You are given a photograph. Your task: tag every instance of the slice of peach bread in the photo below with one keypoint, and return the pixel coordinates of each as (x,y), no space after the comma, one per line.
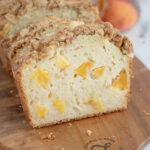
(67,70)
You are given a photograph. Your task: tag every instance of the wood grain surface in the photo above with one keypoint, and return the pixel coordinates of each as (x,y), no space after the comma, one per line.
(125,130)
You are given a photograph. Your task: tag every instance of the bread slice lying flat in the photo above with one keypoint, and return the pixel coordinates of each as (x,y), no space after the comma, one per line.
(18,14)
(67,70)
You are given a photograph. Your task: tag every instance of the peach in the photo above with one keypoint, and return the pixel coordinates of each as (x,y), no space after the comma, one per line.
(122,14)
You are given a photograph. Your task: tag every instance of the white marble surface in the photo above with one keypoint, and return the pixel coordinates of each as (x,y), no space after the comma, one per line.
(147,147)
(140,34)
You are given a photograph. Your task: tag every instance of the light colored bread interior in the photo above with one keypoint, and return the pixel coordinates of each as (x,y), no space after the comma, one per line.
(74,91)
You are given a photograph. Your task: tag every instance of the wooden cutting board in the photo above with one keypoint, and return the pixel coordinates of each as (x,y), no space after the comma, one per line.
(125,130)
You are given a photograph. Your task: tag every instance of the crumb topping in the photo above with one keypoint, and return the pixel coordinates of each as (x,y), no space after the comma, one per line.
(34,41)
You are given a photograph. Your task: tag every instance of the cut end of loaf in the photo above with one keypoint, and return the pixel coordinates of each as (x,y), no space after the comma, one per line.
(87,77)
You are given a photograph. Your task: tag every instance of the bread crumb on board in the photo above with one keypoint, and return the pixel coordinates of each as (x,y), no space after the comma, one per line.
(89,132)
(62,148)
(17,95)
(50,136)
(70,124)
